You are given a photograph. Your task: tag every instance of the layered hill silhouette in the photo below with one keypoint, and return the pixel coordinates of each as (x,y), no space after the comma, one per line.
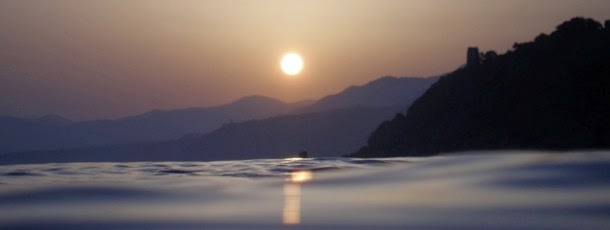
(55,132)
(551,93)
(385,91)
(329,131)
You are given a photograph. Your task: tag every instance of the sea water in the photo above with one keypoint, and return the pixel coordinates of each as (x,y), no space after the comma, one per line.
(484,190)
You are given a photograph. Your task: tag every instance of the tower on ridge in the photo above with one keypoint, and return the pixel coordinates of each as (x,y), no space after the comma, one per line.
(472,56)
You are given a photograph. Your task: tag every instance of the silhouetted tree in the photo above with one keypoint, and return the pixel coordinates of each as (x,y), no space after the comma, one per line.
(488,56)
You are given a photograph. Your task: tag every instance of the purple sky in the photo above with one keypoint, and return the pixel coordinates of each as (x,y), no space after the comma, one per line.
(106,59)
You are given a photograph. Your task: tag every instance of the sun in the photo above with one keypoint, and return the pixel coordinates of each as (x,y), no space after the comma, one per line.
(291,64)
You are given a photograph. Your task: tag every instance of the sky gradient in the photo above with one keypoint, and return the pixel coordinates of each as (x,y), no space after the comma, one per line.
(106,59)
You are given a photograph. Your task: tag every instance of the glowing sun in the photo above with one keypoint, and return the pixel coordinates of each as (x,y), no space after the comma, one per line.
(291,64)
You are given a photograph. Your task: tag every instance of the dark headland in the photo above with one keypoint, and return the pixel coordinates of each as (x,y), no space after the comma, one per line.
(552,93)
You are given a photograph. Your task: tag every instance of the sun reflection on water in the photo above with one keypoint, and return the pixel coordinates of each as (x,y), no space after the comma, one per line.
(292,196)
(300,176)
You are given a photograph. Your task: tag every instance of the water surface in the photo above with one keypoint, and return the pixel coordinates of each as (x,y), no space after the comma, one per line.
(501,190)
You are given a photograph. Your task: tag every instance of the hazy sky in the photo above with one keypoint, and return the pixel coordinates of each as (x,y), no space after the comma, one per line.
(106,59)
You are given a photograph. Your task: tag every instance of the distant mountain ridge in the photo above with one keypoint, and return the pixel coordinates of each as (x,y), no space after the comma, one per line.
(54,132)
(328,133)
(385,91)
(53,119)
(321,130)
(552,93)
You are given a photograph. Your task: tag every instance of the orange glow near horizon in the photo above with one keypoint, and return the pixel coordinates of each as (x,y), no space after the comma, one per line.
(301,176)
(291,213)
(126,57)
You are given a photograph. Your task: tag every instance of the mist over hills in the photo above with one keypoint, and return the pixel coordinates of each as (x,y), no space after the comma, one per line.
(551,93)
(328,133)
(385,91)
(55,132)
(333,129)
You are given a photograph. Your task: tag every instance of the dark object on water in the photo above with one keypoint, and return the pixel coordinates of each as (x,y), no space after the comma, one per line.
(303,154)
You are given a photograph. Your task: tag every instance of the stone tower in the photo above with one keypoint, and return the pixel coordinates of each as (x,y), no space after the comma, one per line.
(472,56)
